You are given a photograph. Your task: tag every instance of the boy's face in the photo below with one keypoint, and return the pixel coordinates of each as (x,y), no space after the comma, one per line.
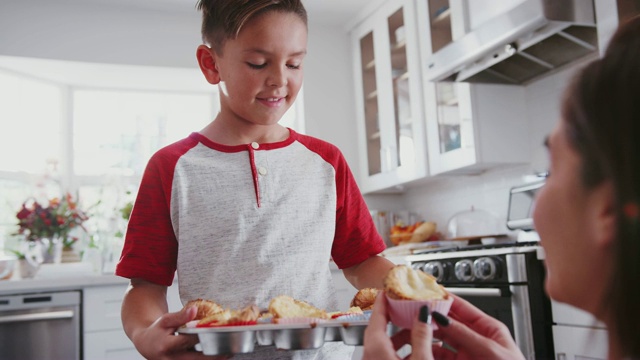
(260,71)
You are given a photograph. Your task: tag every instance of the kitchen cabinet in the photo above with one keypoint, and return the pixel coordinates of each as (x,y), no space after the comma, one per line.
(388,96)
(103,336)
(470,128)
(577,334)
(411,128)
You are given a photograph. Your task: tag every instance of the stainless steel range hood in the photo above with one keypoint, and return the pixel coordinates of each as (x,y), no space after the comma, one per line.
(530,40)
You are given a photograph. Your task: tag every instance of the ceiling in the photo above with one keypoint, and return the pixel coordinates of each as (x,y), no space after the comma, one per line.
(320,11)
(342,13)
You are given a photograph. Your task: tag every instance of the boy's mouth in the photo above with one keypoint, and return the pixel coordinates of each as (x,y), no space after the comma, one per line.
(272,101)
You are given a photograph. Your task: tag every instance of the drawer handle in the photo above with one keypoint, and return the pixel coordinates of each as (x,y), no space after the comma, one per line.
(52,315)
(475,292)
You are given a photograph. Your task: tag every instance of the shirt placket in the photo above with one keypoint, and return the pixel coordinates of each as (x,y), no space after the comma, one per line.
(257,171)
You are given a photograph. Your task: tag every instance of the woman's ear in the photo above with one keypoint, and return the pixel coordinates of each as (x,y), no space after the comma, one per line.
(603,214)
(207,59)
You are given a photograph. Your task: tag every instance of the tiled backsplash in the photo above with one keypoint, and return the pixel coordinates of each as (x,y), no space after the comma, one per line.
(443,196)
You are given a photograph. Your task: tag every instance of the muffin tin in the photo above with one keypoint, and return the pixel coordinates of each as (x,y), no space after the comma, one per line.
(244,339)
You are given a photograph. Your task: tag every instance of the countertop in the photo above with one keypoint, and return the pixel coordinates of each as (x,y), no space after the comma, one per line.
(59,278)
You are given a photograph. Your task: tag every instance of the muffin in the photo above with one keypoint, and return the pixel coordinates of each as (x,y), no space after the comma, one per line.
(287,309)
(205,308)
(365,298)
(407,290)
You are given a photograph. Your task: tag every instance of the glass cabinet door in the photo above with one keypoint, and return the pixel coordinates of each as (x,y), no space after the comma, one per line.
(404,139)
(390,117)
(370,94)
(439,23)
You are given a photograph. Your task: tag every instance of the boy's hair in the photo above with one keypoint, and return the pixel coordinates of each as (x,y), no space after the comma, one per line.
(223,19)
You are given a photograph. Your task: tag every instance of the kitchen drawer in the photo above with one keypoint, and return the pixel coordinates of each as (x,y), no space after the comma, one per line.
(101,308)
(107,345)
(564,314)
(579,343)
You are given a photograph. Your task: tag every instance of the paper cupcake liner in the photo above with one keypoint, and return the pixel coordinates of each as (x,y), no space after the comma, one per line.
(192,324)
(298,320)
(226,324)
(402,313)
(354,317)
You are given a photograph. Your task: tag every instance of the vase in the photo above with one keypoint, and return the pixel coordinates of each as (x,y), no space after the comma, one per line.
(70,255)
(28,268)
(51,250)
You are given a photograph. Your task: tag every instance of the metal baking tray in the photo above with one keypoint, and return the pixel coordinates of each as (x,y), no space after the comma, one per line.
(351,332)
(244,339)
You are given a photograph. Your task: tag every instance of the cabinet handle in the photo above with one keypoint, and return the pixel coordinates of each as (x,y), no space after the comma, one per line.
(53,315)
(475,292)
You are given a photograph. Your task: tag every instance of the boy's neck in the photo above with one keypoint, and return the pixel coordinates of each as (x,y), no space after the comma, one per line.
(223,133)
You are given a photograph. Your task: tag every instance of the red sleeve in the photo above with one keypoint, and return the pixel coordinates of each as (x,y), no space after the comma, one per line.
(150,249)
(356,238)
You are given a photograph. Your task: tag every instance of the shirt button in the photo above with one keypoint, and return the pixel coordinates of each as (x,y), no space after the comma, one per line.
(262,171)
(255,145)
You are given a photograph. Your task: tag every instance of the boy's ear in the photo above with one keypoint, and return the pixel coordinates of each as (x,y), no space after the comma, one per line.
(207,60)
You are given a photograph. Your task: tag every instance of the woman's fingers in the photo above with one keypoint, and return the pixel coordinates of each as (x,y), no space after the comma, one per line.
(422,336)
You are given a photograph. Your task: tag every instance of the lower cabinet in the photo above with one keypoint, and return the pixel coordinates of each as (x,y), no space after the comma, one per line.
(345,293)
(103,336)
(577,335)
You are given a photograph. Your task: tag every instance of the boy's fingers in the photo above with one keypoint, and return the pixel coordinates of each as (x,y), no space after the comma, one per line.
(177,319)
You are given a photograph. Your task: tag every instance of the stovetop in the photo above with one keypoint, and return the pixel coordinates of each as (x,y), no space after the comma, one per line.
(475,250)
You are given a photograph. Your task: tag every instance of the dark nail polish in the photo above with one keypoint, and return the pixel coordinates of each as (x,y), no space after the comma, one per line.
(440,319)
(424,315)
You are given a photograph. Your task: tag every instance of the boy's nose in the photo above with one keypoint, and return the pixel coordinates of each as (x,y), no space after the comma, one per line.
(277,78)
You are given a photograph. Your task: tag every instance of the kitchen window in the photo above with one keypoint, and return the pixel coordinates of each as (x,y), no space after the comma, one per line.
(93,141)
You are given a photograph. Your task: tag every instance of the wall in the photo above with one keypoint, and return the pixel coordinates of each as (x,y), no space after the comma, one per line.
(328,93)
(442,197)
(96,31)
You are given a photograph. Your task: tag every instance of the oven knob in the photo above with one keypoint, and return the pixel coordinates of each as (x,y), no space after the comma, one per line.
(436,269)
(485,268)
(464,270)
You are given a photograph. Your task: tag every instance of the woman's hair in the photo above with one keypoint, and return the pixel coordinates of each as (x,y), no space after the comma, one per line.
(602,113)
(223,19)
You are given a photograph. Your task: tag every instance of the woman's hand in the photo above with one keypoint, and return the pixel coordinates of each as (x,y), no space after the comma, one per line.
(474,334)
(378,344)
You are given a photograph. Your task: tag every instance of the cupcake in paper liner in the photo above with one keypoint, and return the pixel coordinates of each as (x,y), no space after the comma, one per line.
(407,290)
(403,312)
(246,316)
(287,310)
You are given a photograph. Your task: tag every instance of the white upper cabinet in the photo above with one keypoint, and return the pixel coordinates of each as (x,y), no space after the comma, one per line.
(470,128)
(388,94)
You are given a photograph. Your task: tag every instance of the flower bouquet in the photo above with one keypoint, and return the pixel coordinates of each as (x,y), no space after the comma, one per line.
(51,225)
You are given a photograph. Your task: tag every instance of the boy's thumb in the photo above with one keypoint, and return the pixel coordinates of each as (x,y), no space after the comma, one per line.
(177,319)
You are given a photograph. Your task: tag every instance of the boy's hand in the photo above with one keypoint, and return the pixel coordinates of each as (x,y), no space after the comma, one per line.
(159,341)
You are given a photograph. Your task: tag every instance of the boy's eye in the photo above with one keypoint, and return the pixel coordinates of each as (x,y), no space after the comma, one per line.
(256,66)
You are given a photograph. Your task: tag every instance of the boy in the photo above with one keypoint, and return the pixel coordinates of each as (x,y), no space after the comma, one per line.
(245,210)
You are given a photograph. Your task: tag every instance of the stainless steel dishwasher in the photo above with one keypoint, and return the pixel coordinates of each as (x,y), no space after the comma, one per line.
(40,326)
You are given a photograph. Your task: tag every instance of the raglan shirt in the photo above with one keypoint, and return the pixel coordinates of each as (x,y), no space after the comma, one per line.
(243,224)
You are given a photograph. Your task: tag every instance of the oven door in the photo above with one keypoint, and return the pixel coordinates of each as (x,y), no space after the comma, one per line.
(44,326)
(510,305)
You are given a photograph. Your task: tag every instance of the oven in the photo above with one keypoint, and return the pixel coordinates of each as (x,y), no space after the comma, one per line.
(504,280)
